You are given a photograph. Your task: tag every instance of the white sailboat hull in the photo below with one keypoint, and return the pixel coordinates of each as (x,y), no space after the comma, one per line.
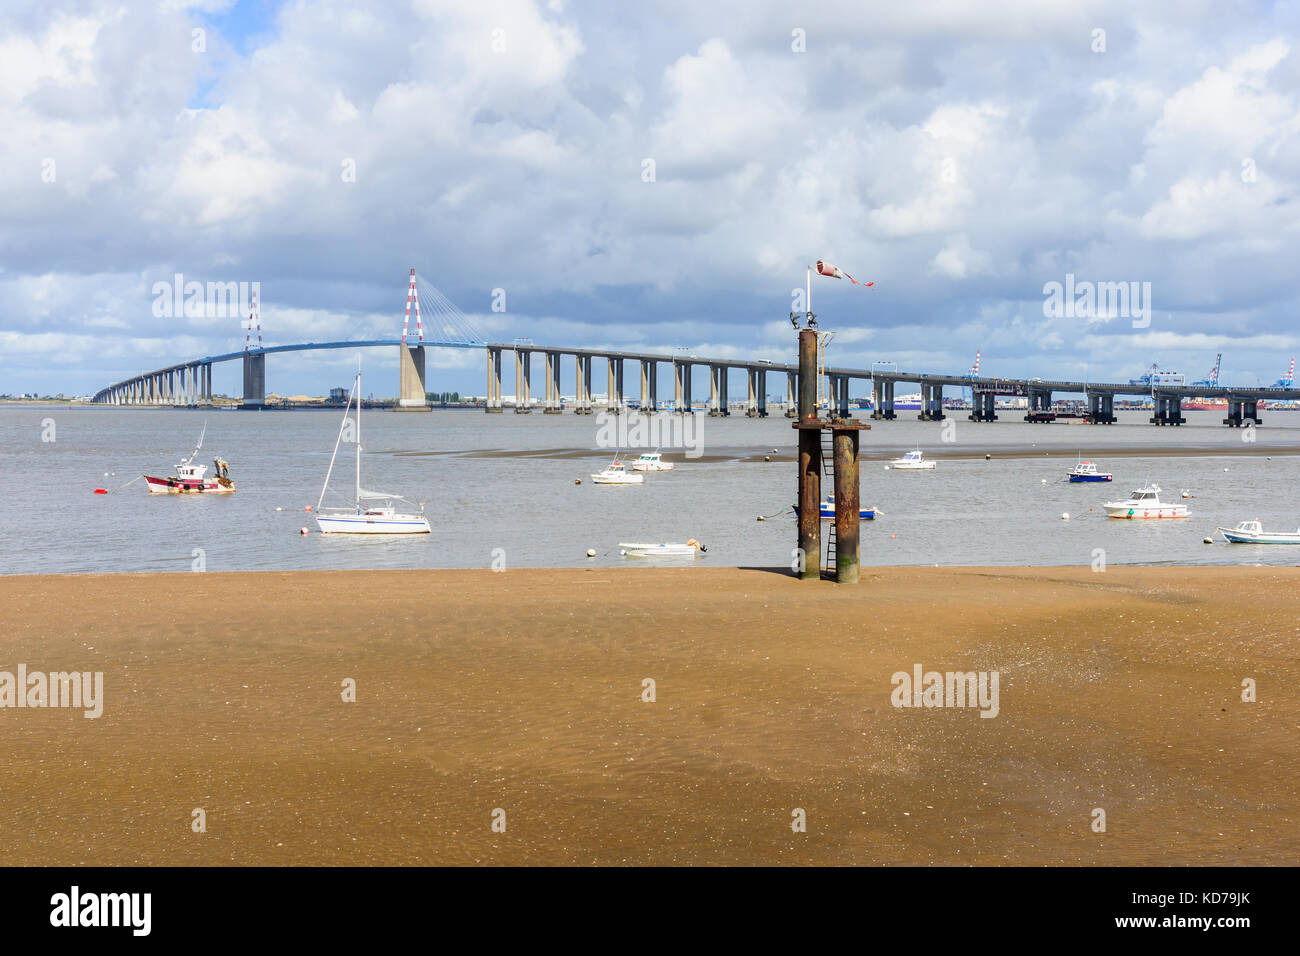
(372,524)
(1237,536)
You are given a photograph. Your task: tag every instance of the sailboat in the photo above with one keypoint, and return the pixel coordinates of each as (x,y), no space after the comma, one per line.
(367,516)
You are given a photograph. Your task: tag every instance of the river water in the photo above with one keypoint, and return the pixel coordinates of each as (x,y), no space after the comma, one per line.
(502,487)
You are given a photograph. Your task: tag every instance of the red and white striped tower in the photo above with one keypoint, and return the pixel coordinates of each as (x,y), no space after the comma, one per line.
(254,317)
(412,295)
(975,369)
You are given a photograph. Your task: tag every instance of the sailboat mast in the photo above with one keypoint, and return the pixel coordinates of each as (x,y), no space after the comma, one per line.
(358,387)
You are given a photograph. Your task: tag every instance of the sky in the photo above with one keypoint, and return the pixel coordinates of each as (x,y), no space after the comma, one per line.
(650,176)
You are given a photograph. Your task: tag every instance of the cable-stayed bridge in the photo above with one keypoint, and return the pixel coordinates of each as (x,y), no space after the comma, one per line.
(189,383)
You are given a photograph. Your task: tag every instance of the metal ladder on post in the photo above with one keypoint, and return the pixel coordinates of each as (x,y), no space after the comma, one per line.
(828,480)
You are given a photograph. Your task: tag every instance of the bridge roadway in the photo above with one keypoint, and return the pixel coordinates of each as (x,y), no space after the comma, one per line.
(190,383)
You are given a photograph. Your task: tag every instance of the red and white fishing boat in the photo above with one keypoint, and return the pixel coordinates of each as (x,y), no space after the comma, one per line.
(192,479)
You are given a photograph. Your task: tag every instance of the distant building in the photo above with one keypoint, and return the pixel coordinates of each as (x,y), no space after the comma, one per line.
(338,396)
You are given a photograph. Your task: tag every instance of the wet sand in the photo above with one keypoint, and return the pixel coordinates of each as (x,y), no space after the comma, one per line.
(884,451)
(522,691)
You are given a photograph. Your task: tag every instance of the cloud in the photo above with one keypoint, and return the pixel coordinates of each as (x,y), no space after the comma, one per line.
(960,159)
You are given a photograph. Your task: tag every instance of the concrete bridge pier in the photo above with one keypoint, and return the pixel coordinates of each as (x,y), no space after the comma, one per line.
(1168,409)
(1101,408)
(715,373)
(582,403)
(1242,410)
(1040,405)
(493,403)
(682,388)
(756,401)
(979,402)
(254,380)
(614,386)
(791,390)
(649,386)
(839,397)
(523,379)
(207,383)
(553,400)
(883,399)
(410,379)
(931,403)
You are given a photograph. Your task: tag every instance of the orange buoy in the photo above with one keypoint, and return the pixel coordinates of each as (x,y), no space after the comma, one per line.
(101,491)
(309,507)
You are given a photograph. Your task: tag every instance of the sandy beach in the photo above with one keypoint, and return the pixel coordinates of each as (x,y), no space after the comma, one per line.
(523,691)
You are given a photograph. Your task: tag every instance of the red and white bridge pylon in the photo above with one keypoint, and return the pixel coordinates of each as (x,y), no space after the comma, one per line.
(412,295)
(254,317)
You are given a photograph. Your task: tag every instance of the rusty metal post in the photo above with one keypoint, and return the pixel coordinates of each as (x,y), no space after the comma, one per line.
(848,519)
(810,459)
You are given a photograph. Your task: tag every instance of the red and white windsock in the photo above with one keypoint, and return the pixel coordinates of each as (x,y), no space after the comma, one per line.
(412,295)
(835,272)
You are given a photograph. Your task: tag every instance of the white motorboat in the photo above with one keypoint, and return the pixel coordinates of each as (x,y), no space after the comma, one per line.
(616,473)
(1144,503)
(652,461)
(367,515)
(1252,532)
(642,550)
(912,461)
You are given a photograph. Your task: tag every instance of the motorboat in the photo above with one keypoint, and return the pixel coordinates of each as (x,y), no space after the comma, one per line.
(616,473)
(912,461)
(192,479)
(642,550)
(367,515)
(652,461)
(1252,532)
(1087,471)
(828,509)
(1144,503)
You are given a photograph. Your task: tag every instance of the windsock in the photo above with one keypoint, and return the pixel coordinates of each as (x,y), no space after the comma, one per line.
(835,272)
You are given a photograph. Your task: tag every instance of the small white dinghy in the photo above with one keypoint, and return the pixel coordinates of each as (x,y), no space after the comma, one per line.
(912,461)
(642,550)
(1252,532)
(616,473)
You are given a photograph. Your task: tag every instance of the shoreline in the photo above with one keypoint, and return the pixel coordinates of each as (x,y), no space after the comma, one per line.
(523,691)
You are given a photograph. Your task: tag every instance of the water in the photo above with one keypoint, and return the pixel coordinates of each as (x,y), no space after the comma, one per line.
(507,482)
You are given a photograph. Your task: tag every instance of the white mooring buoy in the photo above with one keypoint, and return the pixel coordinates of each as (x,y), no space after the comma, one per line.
(591,552)
(1065,516)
